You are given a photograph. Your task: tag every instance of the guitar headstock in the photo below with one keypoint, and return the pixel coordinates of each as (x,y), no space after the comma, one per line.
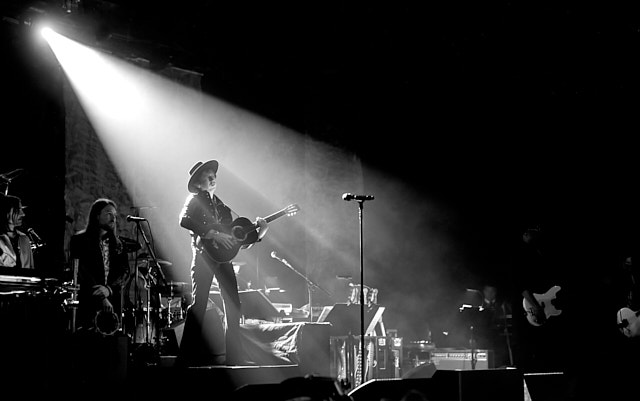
(291,209)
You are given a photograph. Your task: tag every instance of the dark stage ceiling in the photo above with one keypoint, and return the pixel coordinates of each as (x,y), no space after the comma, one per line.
(475,100)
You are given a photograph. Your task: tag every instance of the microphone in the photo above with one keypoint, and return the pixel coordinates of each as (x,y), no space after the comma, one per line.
(349,197)
(8,177)
(35,237)
(134,218)
(273,255)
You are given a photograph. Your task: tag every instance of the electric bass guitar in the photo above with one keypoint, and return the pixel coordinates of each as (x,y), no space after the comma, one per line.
(546,301)
(244,233)
(628,322)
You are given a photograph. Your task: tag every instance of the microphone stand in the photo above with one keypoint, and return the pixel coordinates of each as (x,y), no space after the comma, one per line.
(310,284)
(8,177)
(362,298)
(474,310)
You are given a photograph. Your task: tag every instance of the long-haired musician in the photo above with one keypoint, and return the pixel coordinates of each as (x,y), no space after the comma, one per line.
(102,266)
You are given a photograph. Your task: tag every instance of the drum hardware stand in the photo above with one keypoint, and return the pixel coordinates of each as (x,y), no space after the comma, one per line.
(72,302)
(310,284)
(152,282)
(170,298)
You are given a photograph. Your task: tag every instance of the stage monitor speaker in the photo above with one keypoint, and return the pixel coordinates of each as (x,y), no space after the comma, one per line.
(256,305)
(479,385)
(396,389)
(549,386)
(424,371)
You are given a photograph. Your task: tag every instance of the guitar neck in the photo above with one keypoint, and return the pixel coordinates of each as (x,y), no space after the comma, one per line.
(268,219)
(275,215)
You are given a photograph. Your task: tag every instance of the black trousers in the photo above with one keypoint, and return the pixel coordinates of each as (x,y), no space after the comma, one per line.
(196,347)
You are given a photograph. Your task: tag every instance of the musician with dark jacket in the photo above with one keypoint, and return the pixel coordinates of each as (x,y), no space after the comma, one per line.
(100,259)
(102,264)
(202,215)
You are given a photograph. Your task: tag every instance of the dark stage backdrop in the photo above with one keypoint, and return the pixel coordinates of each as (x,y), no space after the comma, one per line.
(469,121)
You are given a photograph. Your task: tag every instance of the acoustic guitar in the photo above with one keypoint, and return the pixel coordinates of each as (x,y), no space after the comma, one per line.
(546,301)
(628,322)
(244,233)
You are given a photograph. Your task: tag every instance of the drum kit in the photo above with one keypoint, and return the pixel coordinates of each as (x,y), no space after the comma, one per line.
(151,305)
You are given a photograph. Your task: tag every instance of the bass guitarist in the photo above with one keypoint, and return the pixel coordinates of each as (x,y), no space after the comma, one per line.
(203,214)
(536,332)
(628,316)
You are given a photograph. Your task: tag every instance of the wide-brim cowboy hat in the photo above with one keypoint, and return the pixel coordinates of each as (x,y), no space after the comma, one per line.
(196,170)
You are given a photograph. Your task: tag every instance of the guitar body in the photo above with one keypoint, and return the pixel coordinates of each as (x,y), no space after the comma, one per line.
(244,233)
(546,301)
(628,322)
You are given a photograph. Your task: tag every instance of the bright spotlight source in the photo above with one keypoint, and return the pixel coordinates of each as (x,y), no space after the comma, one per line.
(46,32)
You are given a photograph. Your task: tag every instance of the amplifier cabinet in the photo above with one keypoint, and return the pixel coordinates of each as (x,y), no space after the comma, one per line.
(452,359)
(383,358)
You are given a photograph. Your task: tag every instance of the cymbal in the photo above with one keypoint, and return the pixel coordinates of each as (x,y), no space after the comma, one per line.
(164,263)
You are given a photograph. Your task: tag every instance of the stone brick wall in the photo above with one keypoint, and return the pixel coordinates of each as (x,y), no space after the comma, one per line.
(90,173)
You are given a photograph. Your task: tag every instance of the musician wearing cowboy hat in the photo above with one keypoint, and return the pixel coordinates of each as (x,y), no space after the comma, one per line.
(202,215)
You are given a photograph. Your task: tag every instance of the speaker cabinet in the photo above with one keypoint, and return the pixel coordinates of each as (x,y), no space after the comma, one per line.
(452,359)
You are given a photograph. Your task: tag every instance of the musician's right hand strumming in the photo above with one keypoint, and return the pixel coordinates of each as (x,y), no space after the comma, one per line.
(219,238)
